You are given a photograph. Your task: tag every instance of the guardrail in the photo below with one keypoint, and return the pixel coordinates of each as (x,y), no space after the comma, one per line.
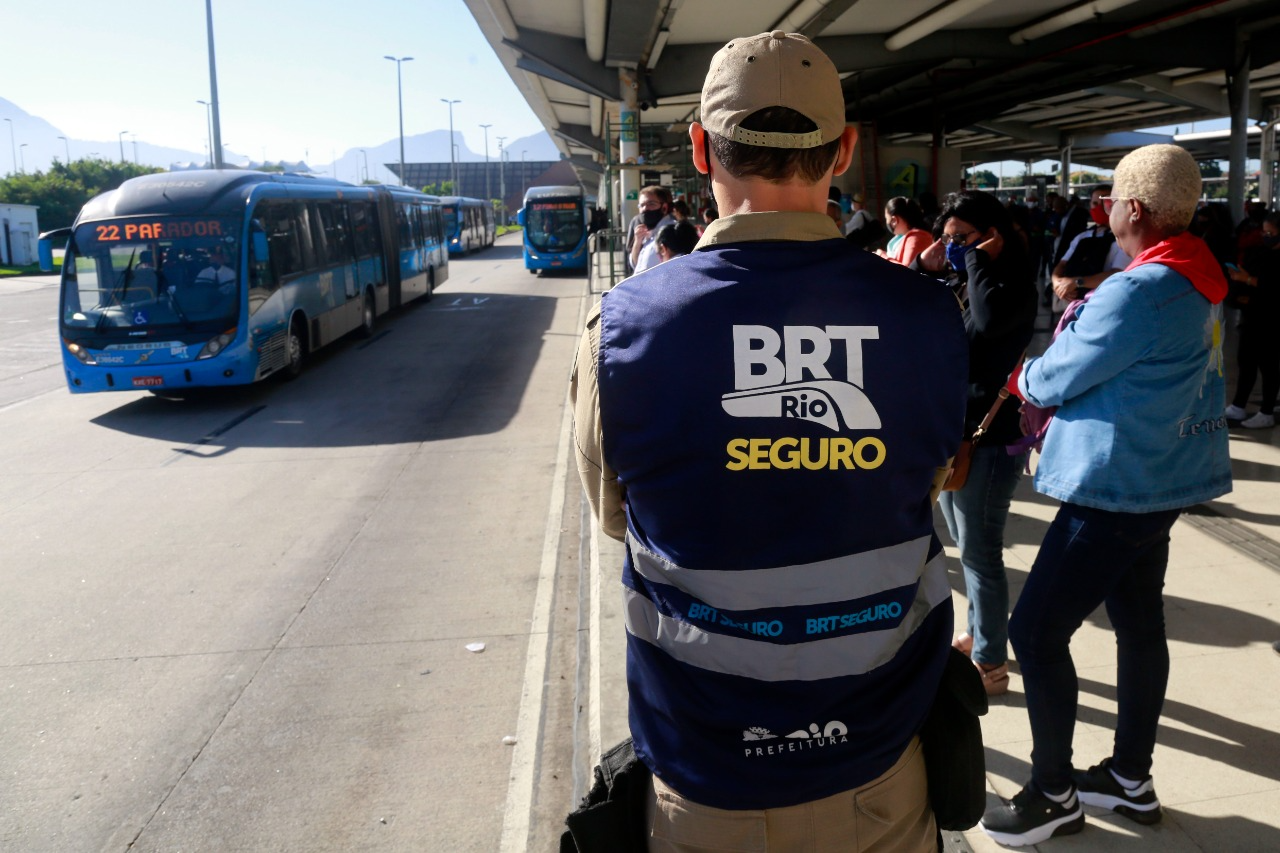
(606,266)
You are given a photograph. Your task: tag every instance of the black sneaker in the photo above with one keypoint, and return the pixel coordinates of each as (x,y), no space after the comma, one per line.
(1098,787)
(1031,817)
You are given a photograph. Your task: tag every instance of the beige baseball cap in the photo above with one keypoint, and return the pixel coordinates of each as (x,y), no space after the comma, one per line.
(774,69)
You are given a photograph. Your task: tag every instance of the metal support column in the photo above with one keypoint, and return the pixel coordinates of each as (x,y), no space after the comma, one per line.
(1064,171)
(629,144)
(1268,179)
(1238,95)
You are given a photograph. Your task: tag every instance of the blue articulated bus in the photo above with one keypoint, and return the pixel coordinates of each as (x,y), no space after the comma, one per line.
(555,221)
(204,278)
(468,223)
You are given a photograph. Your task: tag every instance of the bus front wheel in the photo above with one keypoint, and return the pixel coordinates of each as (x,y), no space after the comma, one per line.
(296,349)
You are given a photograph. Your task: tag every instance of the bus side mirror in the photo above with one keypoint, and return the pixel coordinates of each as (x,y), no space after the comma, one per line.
(44,247)
(520,217)
(260,251)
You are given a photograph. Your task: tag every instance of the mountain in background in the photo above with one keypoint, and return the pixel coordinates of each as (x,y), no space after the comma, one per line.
(431,147)
(43,146)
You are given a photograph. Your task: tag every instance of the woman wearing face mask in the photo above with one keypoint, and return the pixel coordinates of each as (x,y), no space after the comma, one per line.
(1256,285)
(909,239)
(985,262)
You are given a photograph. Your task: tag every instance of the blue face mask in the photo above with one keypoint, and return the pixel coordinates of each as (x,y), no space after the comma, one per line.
(956,253)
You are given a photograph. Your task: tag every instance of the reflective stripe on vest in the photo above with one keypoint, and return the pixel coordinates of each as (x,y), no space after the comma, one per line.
(840,579)
(813,660)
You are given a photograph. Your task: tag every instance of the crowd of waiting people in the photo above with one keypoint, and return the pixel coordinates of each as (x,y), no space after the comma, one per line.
(1003,260)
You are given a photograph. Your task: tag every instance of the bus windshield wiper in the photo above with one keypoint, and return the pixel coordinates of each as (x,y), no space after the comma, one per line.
(119,291)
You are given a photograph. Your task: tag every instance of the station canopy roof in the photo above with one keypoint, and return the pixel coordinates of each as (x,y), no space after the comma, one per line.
(999,80)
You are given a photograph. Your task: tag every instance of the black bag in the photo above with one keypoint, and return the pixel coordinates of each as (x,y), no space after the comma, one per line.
(1090,256)
(611,816)
(952,742)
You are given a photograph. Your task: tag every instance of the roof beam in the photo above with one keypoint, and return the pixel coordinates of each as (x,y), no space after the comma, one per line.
(581,135)
(564,60)
(632,27)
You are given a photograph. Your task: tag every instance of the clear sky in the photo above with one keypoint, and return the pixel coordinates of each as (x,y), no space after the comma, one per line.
(297,79)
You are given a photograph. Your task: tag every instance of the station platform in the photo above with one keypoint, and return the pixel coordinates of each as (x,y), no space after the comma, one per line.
(1217,762)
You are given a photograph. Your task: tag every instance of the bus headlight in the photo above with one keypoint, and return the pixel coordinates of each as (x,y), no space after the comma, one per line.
(79,352)
(217,344)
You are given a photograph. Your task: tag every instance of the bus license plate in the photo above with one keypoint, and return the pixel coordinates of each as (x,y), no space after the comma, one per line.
(147,381)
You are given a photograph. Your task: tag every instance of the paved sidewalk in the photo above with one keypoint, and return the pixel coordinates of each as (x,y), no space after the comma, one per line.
(1217,762)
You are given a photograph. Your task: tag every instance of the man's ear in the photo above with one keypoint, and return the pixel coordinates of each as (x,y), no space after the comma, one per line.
(848,140)
(697,149)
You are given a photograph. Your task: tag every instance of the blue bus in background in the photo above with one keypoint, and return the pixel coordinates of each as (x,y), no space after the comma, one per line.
(555,221)
(203,278)
(468,223)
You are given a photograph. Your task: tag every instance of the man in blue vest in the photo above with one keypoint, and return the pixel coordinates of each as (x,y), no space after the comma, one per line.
(764,421)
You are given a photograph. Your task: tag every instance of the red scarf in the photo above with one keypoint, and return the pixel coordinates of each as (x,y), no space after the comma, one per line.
(1187,255)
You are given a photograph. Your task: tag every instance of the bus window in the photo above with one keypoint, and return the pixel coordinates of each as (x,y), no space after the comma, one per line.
(282,239)
(364,229)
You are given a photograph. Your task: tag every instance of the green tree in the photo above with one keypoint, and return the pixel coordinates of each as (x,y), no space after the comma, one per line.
(64,189)
(983,178)
(442,188)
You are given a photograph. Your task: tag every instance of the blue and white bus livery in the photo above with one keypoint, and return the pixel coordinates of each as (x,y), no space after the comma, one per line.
(228,277)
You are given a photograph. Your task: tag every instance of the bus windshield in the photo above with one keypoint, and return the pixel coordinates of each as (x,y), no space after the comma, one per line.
(450,218)
(554,226)
(152,271)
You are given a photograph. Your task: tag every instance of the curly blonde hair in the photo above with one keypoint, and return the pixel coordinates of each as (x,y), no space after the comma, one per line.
(1166,179)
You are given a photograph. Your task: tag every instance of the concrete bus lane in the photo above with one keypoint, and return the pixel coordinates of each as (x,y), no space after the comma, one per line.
(30,361)
(241,621)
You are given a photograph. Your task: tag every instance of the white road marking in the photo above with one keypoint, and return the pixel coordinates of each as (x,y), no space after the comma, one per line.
(524,757)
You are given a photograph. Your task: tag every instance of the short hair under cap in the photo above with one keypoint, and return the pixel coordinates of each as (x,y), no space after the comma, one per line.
(1166,179)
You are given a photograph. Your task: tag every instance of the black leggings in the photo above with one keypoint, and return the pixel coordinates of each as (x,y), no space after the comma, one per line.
(1259,352)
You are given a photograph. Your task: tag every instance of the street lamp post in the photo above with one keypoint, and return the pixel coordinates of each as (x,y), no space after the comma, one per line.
(364,156)
(120,136)
(208,114)
(23,157)
(67,145)
(400,103)
(453,163)
(133,137)
(14,144)
(215,118)
(486,160)
(502,180)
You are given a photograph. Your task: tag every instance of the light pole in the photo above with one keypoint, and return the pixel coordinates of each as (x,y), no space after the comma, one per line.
(215,119)
(14,145)
(365,157)
(67,145)
(524,175)
(120,136)
(23,157)
(453,163)
(502,180)
(486,160)
(133,137)
(208,114)
(400,103)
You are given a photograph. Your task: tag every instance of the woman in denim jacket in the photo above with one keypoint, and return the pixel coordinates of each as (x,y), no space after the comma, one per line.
(1139,435)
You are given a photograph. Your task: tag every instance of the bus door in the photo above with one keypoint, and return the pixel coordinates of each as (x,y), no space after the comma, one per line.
(370,271)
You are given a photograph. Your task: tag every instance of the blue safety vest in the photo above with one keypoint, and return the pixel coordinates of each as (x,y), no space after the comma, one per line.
(776,412)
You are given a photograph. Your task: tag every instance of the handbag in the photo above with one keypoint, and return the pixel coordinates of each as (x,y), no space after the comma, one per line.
(611,818)
(951,737)
(964,456)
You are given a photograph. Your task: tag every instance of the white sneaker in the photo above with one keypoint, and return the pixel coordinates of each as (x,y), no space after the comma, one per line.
(1259,421)
(1235,413)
